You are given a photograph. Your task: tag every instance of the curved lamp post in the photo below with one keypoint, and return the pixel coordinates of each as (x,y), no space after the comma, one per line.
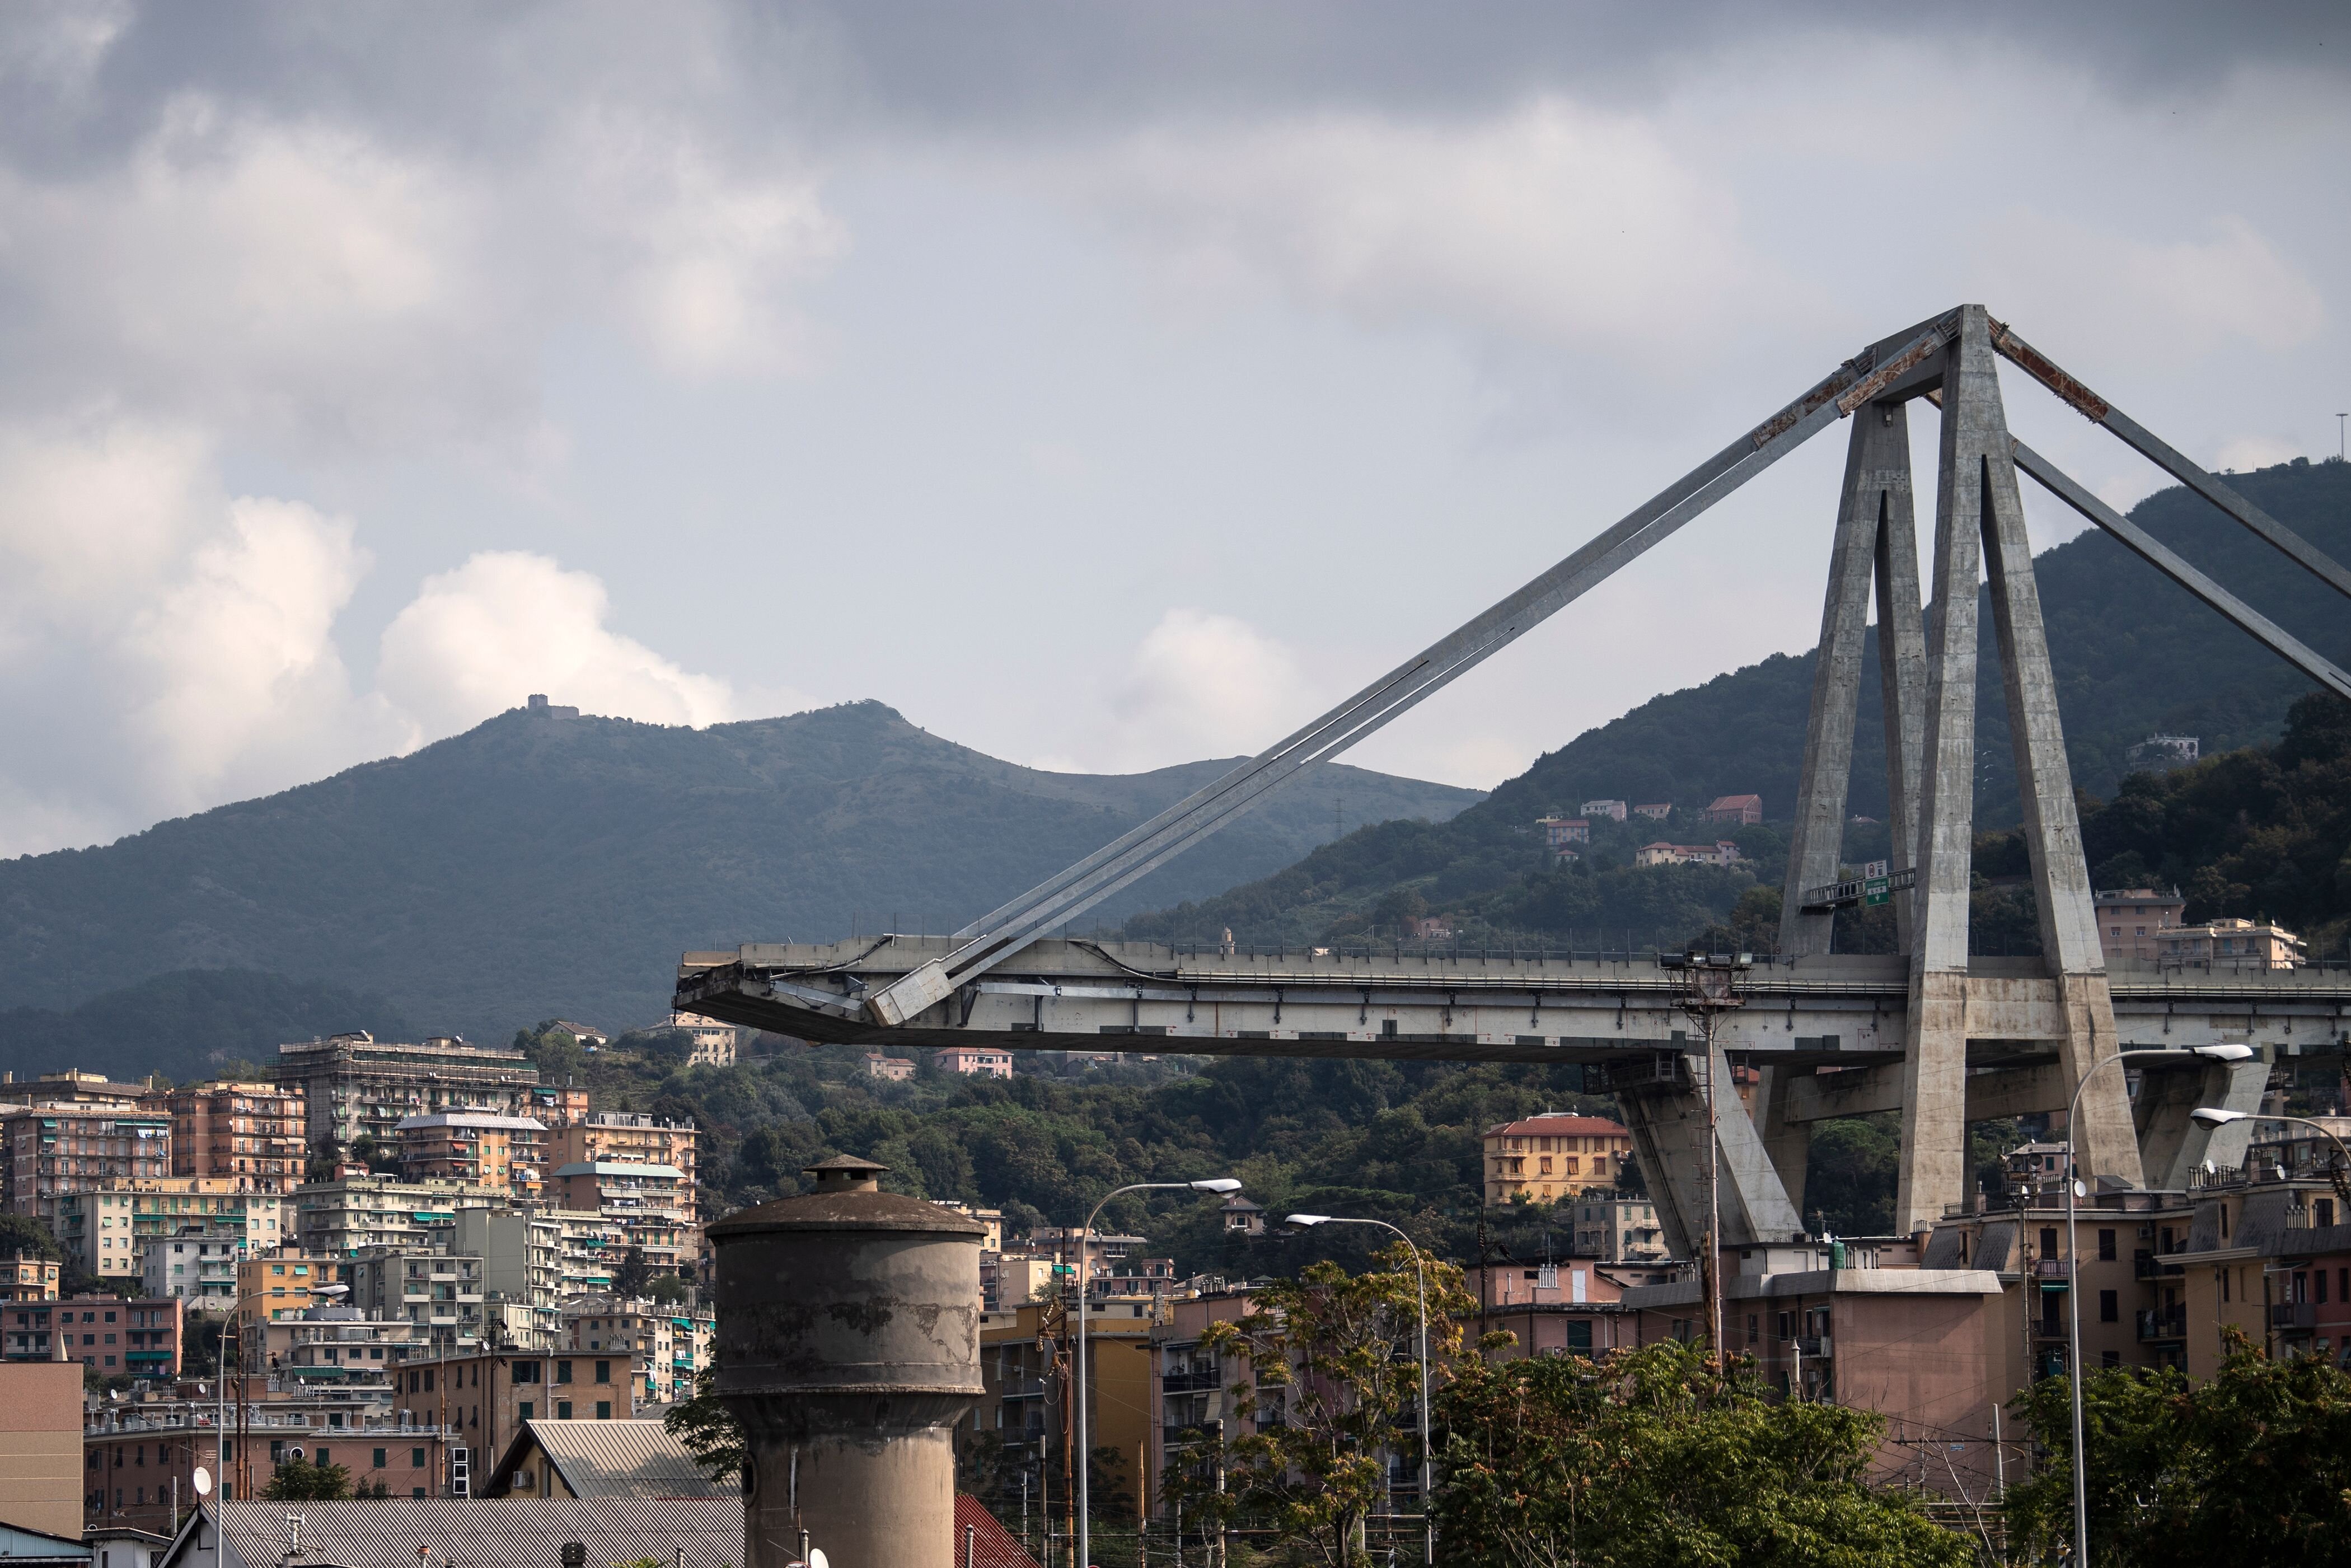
(2213,1117)
(2227,1052)
(1420,1288)
(1085,1520)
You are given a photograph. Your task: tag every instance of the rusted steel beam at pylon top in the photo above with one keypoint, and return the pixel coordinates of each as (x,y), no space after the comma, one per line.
(2045,370)
(1858,380)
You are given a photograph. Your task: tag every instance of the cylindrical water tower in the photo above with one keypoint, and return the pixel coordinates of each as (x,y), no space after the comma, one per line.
(848,1348)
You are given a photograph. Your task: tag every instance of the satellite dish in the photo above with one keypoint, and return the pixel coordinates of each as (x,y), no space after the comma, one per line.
(202,1482)
(2081,1189)
(816,1558)
(2210,1169)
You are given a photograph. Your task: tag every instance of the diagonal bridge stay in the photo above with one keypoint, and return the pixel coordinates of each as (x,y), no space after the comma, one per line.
(1943,1036)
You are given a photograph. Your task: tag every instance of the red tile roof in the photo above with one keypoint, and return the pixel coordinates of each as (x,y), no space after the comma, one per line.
(993,1546)
(1560,1127)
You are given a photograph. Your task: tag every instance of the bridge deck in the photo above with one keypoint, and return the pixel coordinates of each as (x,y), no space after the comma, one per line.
(1503,1006)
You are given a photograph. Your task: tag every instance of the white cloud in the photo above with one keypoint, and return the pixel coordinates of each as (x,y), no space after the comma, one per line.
(475,640)
(2116,298)
(1556,222)
(1203,685)
(2249,452)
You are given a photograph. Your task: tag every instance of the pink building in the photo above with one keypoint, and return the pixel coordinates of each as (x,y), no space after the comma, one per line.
(1741,809)
(974,1062)
(2132,921)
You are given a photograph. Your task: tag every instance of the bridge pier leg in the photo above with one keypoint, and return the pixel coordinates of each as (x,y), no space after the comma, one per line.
(1667,1116)
(1979,521)
(2170,1146)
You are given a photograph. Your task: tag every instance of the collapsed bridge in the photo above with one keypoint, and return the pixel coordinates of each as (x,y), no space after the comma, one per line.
(1942,1036)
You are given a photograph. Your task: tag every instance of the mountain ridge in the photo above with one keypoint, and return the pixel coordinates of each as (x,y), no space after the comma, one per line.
(514,872)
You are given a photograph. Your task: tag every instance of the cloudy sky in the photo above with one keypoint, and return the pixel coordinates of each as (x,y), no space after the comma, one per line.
(1100,385)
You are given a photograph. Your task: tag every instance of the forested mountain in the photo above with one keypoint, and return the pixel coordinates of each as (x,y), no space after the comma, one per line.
(2134,654)
(538,866)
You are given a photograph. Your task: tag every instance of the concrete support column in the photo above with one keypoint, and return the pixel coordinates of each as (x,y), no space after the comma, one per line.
(2170,1145)
(1901,662)
(1667,1119)
(2102,1140)
(1933,1172)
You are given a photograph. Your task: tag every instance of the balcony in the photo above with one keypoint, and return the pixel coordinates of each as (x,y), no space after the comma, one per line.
(2147,1265)
(2292,1315)
(1815,1345)
(1195,1381)
(2163,1324)
(2050,1271)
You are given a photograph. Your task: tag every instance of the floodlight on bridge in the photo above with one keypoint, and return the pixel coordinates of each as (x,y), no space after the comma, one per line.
(2214,1117)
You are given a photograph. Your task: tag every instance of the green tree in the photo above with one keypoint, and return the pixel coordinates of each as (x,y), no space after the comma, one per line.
(2252,1465)
(1659,1458)
(299,1481)
(21,1233)
(708,1430)
(1335,1390)
(635,1277)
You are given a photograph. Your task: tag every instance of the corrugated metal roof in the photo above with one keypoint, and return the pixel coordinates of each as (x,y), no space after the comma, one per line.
(612,1458)
(482,1533)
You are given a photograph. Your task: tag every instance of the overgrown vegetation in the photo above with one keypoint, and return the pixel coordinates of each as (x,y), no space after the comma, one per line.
(1660,1458)
(2252,1465)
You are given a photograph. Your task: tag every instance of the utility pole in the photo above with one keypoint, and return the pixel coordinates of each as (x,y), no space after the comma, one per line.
(1709,987)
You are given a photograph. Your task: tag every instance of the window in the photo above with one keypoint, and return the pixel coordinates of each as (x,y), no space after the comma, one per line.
(2049,1241)
(2110,1358)
(1754,1328)
(379,1458)
(524,1372)
(416,1461)
(321,1460)
(2109,1307)
(522,1410)
(562,1372)
(2105,1246)
(563,1409)
(2224,1277)
(603,1372)
(2319,1282)
(603,1410)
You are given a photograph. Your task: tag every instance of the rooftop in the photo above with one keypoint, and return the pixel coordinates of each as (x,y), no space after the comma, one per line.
(1559,1124)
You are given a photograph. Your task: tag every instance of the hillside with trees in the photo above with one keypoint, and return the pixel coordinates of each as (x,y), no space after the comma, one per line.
(538,865)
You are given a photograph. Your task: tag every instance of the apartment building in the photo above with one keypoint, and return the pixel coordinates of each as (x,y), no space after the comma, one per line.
(669,1345)
(138,1462)
(355,1086)
(114,1336)
(1022,1401)
(522,1272)
(1544,1158)
(200,1271)
(1188,1387)
(250,1134)
(713,1044)
(48,1150)
(1573,1307)
(650,1203)
(1561,833)
(2243,944)
(338,1219)
(975,1061)
(626,1138)
(26,1278)
(557,1104)
(277,1291)
(442,1293)
(107,1231)
(78,1091)
(1618,1229)
(2134,921)
(475,1148)
(346,1350)
(485,1398)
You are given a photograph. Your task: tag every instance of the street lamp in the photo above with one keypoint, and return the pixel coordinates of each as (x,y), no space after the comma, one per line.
(1420,1290)
(1085,1522)
(2227,1052)
(2213,1117)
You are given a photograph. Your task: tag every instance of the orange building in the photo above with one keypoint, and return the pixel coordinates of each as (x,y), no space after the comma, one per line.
(251,1133)
(1552,1156)
(621,1138)
(482,1148)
